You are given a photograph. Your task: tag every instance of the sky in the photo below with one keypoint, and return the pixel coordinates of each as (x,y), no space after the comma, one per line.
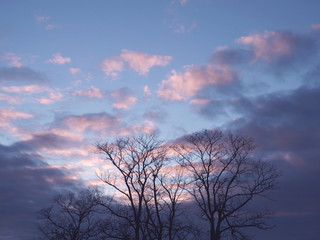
(75,73)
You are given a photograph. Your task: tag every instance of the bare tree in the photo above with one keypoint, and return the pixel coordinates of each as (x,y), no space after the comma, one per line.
(71,217)
(223,179)
(137,162)
(150,196)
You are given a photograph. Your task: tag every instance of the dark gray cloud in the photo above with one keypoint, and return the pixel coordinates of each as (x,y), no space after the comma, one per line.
(232,56)
(285,127)
(22,74)
(289,118)
(45,140)
(311,78)
(302,48)
(283,124)
(27,183)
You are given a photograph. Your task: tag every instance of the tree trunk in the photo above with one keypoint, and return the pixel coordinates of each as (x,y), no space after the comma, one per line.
(214,233)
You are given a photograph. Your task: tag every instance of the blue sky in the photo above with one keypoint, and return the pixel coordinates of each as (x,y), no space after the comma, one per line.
(74,73)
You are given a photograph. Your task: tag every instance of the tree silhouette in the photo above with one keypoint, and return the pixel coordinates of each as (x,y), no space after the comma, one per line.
(71,217)
(150,196)
(224,178)
(154,183)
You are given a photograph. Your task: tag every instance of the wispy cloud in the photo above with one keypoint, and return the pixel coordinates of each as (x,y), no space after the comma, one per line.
(53,97)
(25,89)
(41,19)
(102,124)
(138,61)
(183,2)
(315,26)
(9,114)
(10,99)
(91,93)
(12,58)
(51,26)
(200,101)
(146,91)
(8,118)
(147,127)
(123,99)
(75,70)
(58,59)
(44,21)
(40,94)
(178,22)
(183,28)
(95,122)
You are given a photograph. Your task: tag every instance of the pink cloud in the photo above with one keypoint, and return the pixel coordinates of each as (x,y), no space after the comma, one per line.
(142,62)
(112,67)
(270,45)
(97,122)
(315,26)
(11,114)
(104,124)
(45,101)
(138,61)
(53,98)
(146,91)
(76,131)
(51,26)
(75,70)
(123,99)
(25,89)
(8,116)
(91,93)
(183,2)
(77,82)
(52,95)
(181,86)
(10,99)
(12,58)
(58,59)
(183,28)
(64,132)
(147,127)
(67,152)
(42,18)
(200,101)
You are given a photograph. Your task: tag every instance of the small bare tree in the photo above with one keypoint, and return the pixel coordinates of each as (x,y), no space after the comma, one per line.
(71,217)
(224,178)
(164,195)
(173,186)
